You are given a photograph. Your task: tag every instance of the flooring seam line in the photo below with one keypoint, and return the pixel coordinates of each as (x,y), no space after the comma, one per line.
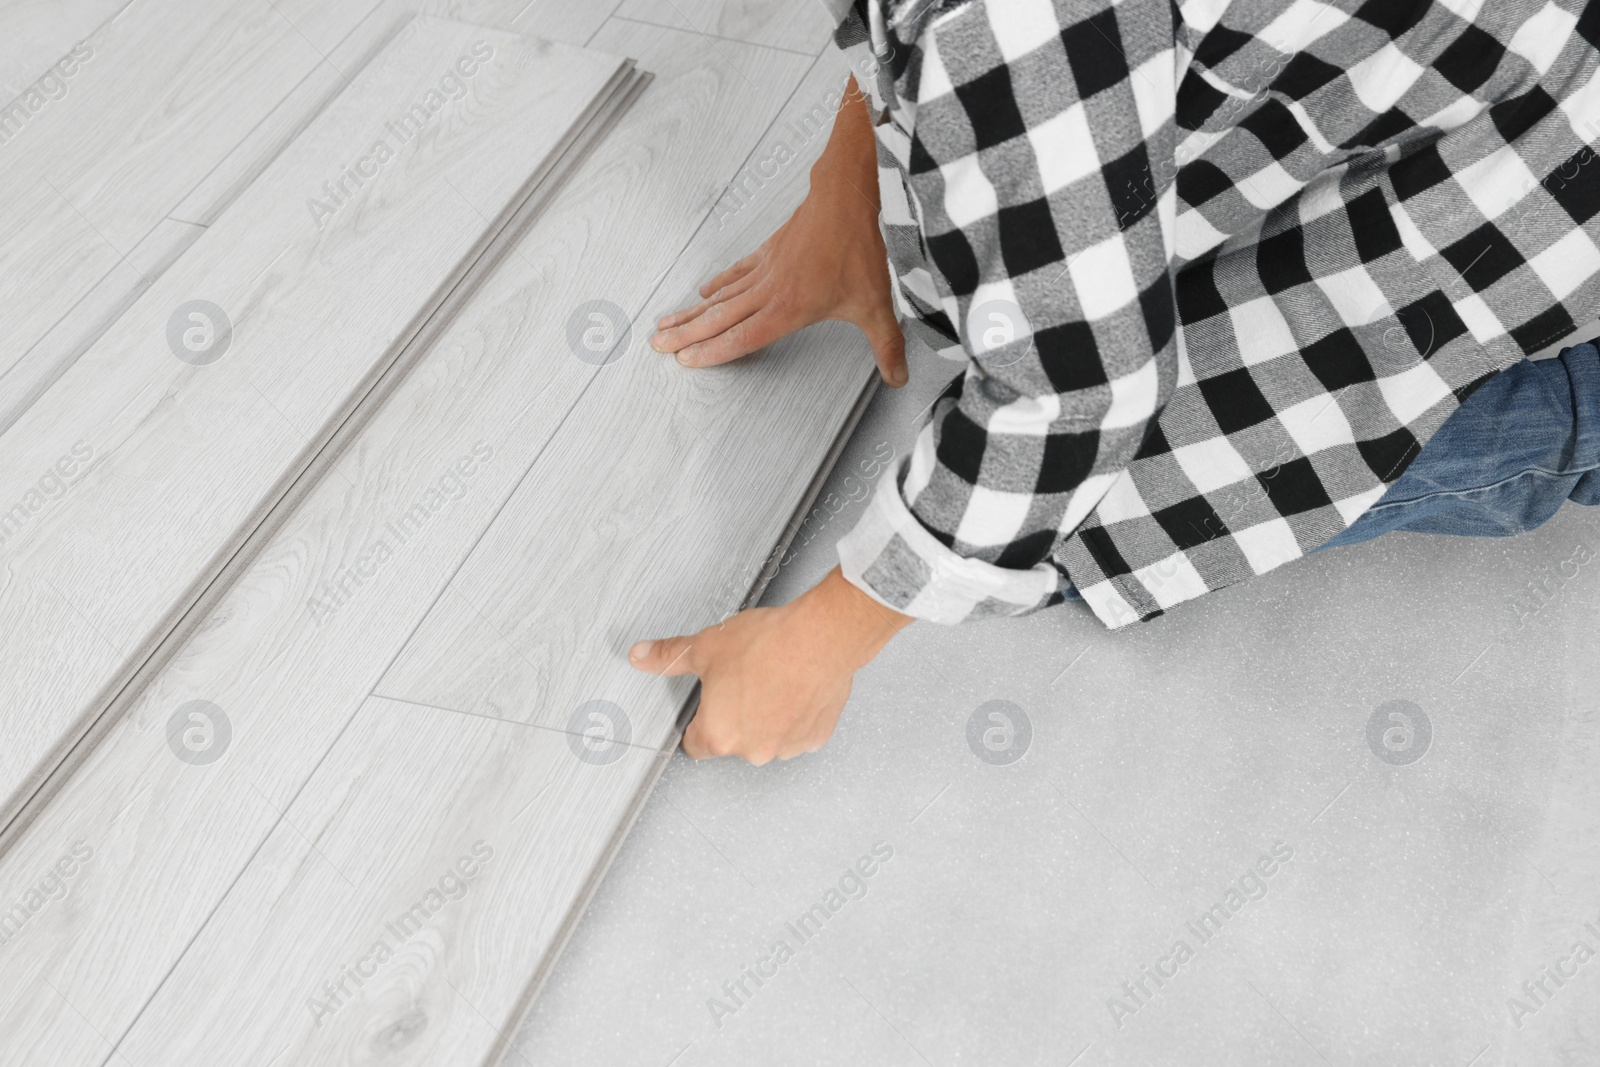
(222,898)
(580,905)
(65,315)
(217,208)
(593,377)
(615,4)
(712,36)
(523,1007)
(449,580)
(87,293)
(222,205)
(157,650)
(502,721)
(538,198)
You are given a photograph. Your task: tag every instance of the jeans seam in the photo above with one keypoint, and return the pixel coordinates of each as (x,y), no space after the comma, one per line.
(1530,471)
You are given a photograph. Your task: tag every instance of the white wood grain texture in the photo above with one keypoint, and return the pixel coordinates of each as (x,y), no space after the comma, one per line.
(71,335)
(652,512)
(554,20)
(35,34)
(405,794)
(182,834)
(187,460)
(89,174)
(158,95)
(798,25)
(409,788)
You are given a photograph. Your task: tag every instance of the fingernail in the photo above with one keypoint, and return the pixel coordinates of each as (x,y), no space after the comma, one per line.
(641,650)
(683,360)
(897,376)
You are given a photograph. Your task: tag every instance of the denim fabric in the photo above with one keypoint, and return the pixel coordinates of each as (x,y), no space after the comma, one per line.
(1525,442)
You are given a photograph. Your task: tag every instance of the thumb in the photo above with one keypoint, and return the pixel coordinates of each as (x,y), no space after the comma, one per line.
(888,346)
(669,656)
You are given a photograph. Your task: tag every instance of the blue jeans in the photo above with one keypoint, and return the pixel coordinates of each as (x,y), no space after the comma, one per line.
(1526,441)
(1504,462)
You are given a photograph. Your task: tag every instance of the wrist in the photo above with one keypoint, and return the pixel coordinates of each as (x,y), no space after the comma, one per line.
(850,158)
(857,627)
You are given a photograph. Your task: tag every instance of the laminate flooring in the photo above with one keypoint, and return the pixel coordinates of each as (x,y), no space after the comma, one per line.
(803,26)
(185,424)
(198,880)
(188,100)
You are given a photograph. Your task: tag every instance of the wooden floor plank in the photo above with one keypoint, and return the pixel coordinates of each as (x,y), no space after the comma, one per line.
(425,869)
(91,316)
(37,34)
(798,25)
(566,22)
(410,787)
(187,460)
(700,469)
(503,376)
(157,95)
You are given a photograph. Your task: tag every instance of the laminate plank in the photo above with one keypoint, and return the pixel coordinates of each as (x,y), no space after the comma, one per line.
(153,99)
(561,21)
(700,468)
(425,868)
(36,34)
(91,316)
(186,460)
(408,786)
(169,838)
(798,25)
(88,175)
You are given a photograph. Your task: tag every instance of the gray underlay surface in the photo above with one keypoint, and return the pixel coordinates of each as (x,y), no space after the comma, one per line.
(1163,768)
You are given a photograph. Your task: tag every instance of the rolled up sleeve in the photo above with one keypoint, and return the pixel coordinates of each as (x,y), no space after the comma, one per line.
(1032,154)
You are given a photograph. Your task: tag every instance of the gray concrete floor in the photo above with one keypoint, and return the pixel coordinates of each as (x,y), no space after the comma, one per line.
(1164,763)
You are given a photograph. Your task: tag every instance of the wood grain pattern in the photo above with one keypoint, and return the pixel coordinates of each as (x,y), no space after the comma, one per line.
(187,460)
(700,469)
(90,317)
(35,34)
(798,25)
(157,96)
(170,838)
(344,882)
(409,787)
(61,246)
(345,56)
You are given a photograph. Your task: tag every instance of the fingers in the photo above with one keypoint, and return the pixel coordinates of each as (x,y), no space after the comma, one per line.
(670,656)
(694,744)
(707,737)
(740,339)
(684,315)
(717,319)
(738,270)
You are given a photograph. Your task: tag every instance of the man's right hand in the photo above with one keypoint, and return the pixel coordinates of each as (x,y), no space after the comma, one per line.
(826,262)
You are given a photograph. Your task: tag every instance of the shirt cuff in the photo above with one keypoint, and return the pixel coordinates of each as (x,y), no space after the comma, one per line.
(893,558)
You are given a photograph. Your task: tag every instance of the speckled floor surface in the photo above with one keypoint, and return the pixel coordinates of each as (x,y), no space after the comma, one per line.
(1237,758)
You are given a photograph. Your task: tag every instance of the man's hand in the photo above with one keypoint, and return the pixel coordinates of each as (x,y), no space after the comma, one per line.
(774,680)
(826,262)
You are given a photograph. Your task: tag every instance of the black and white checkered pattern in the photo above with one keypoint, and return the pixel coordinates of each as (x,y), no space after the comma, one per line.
(1218,272)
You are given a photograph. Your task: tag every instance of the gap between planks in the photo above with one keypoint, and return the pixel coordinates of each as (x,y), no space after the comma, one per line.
(653,139)
(154,648)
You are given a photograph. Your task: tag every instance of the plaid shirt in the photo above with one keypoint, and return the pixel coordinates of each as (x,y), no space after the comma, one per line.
(1217,271)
